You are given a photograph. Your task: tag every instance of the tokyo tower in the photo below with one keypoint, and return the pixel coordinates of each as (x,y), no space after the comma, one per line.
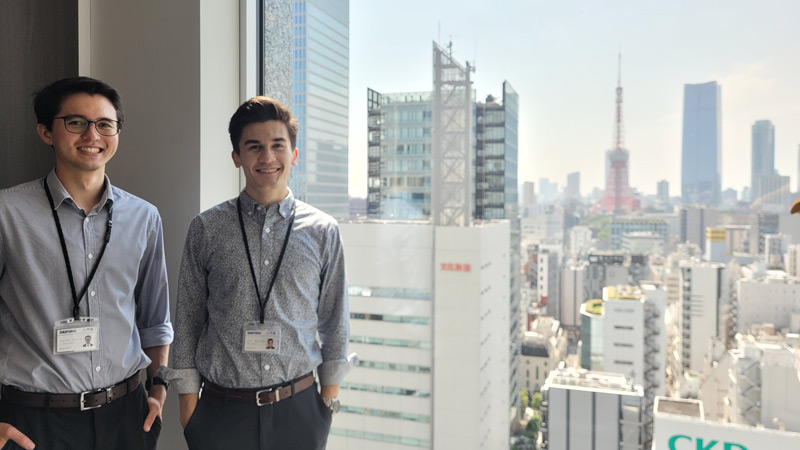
(618,197)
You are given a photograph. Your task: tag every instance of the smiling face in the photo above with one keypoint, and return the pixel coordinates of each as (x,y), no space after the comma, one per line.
(266,157)
(86,153)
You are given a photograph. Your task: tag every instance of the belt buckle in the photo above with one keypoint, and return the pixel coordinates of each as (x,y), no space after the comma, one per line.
(277,392)
(97,391)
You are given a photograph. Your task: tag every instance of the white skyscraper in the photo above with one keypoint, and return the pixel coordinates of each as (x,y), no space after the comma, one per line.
(574,291)
(703,292)
(634,340)
(428,328)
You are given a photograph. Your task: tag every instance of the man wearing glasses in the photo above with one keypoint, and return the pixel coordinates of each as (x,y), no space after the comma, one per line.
(67,277)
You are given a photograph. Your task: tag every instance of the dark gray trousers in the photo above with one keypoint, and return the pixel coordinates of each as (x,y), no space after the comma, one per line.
(117,425)
(299,422)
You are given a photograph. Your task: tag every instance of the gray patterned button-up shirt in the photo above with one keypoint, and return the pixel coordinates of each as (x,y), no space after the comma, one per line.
(217,298)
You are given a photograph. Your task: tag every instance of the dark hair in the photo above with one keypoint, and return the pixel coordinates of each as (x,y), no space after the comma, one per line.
(49,100)
(260,109)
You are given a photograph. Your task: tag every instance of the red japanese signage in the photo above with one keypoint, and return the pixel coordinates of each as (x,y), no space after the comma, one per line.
(455,267)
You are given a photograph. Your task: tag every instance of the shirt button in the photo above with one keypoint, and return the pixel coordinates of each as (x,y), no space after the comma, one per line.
(266,231)
(266,263)
(91,293)
(266,367)
(259,208)
(90,256)
(97,369)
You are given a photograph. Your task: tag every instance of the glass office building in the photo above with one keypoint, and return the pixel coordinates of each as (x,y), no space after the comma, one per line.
(320,98)
(701,155)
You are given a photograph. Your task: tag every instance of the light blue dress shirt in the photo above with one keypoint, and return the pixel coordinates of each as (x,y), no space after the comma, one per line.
(129,292)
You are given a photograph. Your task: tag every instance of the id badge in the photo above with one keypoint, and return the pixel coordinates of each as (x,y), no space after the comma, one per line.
(76,335)
(261,338)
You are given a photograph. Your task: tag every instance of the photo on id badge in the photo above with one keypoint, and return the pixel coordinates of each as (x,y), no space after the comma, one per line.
(262,338)
(76,335)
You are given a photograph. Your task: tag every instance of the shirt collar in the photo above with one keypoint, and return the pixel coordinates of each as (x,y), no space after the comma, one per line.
(59,192)
(284,207)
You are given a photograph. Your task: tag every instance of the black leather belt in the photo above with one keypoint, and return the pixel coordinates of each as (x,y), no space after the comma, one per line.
(84,400)
(261,397)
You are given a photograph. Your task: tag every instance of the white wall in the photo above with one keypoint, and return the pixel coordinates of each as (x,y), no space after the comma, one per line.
(176,65)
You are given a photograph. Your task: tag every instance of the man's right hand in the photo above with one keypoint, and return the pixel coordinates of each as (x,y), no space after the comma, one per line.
(187,403)
(9,433)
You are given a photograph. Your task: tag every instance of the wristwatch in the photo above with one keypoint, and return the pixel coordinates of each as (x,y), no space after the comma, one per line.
(332,404)
(150,382)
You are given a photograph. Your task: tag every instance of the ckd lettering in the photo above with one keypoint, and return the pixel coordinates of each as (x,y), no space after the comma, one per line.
(676,442)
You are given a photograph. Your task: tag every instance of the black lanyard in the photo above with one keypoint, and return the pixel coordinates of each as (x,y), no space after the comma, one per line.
(262,303)
(76,299)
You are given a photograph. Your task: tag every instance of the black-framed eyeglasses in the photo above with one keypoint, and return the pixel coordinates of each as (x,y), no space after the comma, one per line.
(79,125)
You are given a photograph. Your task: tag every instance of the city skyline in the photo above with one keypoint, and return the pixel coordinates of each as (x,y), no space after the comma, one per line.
(561,59)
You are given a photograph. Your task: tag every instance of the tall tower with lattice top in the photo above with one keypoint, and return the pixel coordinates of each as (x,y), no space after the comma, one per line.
(618,197)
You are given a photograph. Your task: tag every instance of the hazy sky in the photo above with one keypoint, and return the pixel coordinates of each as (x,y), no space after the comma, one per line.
(561,57)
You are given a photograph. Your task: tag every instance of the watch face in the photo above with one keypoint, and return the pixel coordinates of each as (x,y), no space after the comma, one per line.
(332,404)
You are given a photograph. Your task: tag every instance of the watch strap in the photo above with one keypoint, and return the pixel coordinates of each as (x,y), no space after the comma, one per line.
(156,381)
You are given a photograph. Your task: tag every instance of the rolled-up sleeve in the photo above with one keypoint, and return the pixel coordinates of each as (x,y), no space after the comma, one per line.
(334,313)
(152,290)
(191,314)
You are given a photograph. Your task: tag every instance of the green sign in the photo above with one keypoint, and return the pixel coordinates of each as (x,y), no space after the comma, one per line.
(701,444)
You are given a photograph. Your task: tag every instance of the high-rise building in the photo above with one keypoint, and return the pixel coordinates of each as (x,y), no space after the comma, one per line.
(703,292)
(421,150)
(528,196)
(634,341)
(693,222)
(591,410)
(574,292)
(701,154)
(320,35)
(496,196)
(762,157)
(663,191)
(573,186)
(427,329)
(399,155)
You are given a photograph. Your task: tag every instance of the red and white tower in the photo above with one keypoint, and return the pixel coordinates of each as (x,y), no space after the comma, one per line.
(618,197)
